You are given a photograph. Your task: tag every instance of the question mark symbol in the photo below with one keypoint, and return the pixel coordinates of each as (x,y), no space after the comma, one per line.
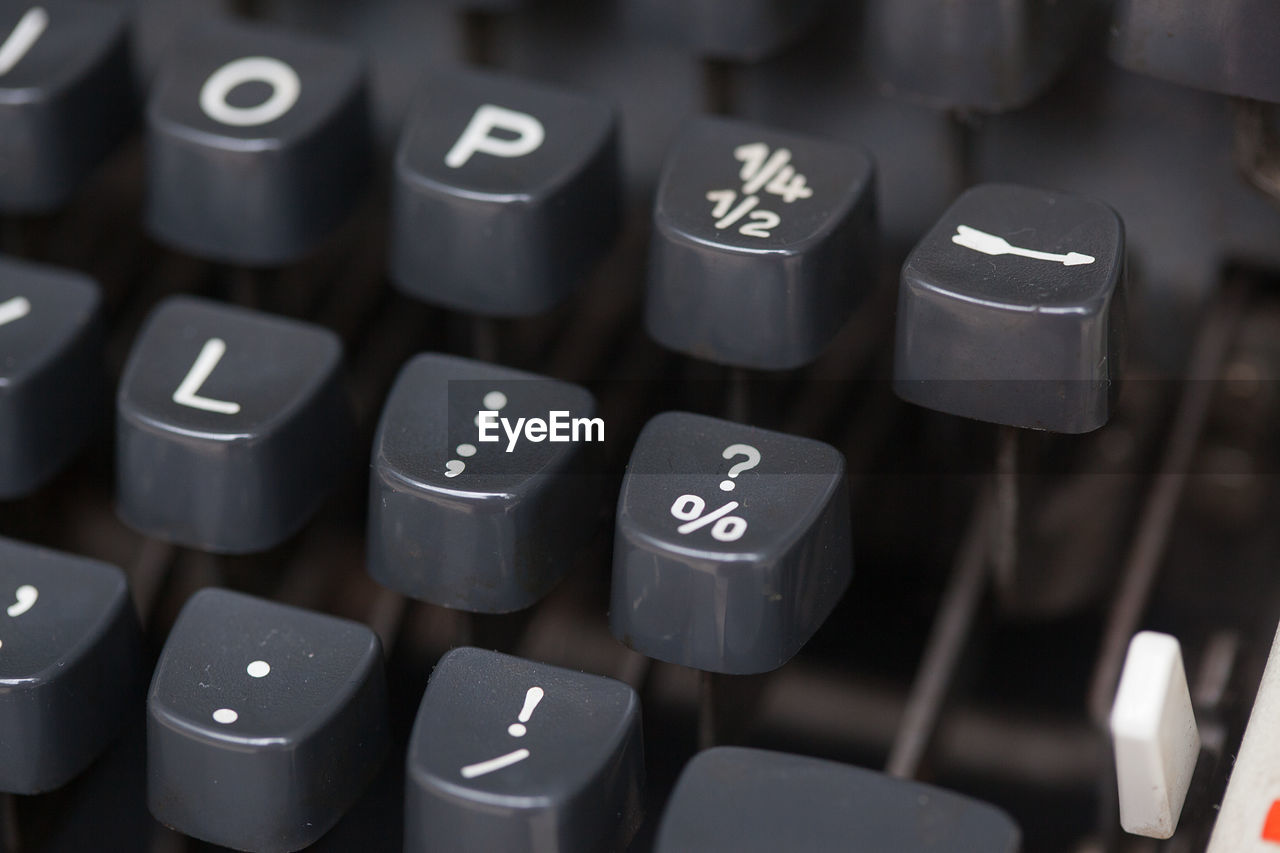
(752,460)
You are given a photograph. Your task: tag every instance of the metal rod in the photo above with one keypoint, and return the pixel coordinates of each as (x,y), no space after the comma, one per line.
(1004,530)
(708,734)
(946,642)
(9,823)
(1158,513)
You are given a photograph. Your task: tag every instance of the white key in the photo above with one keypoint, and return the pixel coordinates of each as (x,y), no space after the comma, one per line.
(1249,819)
(1154,732)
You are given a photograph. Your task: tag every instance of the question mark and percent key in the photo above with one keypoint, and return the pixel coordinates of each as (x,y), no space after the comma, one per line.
(691,509)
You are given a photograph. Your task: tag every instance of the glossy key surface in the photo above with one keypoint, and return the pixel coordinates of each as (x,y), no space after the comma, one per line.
(763,243)
(66,98)
(754,801)
(733,543)
(257,143)
(232,425)
(506,193)
(512,755)
(265,721)
(1011,310)
(485,526)
(71,664)
(52,387)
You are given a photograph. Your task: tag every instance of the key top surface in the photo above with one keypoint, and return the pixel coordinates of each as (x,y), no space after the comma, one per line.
(461,522)
(232,425)
(512,755)
(70,664)
(1010,310)
(745,30)
(733,543)
(258,143)
(763,245)
(51,382)
(506,192)
(265,721)
(66,98)
(748,800)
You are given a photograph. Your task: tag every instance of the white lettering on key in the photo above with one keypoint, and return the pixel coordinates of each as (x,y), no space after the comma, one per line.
(478,138)
(24,36)
(26,596)
(14,309)
(283,80)
(990,244)
(762,169)
(471,771)
(187,393)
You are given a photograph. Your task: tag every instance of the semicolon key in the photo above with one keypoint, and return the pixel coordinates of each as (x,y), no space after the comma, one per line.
(736,800)
(52,387)
(522,757)
(258,143)
(66,98)
(478,519)
(71,664)
(764,242)
(1011,311)
(232,426)
(265,722)
(733,544)
(506,193)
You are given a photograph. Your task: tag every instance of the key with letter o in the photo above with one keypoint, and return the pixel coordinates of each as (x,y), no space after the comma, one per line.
(232,426)
(506,193)
(258,143)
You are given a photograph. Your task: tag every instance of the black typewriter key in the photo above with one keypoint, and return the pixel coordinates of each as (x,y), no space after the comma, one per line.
(506,193)
(265,722)
(731,799)
(511,755)
(733,544)
(1010,310)
(764,243)
(52,388)
(232,425)
(1226,47)
(742,30)
(258,143)
(66,98)
(989,55)
(71,669)
(479,499)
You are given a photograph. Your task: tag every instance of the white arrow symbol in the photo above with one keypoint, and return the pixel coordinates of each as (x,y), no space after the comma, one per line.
(990,244)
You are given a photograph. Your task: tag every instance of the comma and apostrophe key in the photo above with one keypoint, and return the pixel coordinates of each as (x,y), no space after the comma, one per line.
(474,511)
(733,544)
(1010,311)
(52,387)
(265,722)
(506,193)
(736,800)
(258,143)
(232,426)
(66,98)
(71,664)
(764,243)
(522,757)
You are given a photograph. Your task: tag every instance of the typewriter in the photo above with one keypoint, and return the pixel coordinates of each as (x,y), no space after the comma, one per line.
(640,425)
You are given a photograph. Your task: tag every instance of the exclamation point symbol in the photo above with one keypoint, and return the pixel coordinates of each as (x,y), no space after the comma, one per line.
(493,402)
(531,699)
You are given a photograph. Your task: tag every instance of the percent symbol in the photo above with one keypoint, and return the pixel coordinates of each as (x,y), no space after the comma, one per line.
(692,510)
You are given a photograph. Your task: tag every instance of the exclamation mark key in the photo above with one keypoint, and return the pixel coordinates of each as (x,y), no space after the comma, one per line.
(560,750)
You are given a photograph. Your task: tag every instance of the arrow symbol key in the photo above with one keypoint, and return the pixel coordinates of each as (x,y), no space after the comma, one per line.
(990,244)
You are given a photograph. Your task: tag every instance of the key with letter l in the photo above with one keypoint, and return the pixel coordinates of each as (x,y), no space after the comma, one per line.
(232,426)
(258,143)
(733,544)
(71,670)
(506,193)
